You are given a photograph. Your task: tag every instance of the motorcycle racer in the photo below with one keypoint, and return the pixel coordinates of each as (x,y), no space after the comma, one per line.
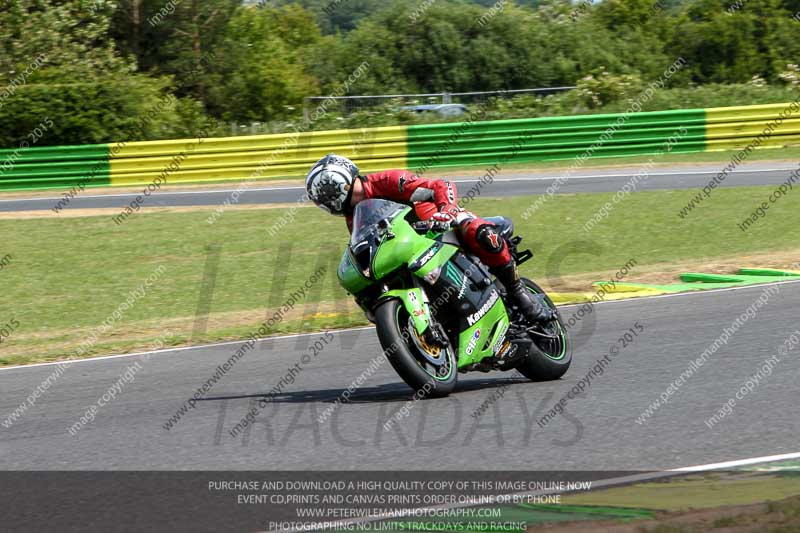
(335,185)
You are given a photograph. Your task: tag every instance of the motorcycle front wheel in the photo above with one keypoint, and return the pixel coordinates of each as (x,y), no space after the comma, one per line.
(429,369)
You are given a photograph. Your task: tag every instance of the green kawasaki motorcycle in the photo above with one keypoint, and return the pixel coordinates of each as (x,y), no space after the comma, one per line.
(436,308)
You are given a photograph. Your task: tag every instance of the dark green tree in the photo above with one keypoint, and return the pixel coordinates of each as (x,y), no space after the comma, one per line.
(263,74)
(62,66)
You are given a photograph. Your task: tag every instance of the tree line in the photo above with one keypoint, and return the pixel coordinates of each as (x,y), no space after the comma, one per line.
(93,66)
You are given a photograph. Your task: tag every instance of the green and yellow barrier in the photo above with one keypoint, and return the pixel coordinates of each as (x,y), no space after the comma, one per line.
(420,148)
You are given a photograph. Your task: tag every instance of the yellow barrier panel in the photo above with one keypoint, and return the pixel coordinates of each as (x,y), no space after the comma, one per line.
(734,128)
(749,113)
(224,173)
(260,156)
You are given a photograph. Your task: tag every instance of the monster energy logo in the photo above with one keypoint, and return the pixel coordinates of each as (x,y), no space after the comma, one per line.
(450,271)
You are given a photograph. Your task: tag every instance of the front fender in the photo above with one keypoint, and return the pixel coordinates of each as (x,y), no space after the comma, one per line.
(416,304)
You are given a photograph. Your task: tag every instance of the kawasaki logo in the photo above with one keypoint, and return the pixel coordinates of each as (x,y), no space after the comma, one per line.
(480,313)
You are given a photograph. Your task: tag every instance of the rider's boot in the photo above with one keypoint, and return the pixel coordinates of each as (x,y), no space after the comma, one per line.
(534,309)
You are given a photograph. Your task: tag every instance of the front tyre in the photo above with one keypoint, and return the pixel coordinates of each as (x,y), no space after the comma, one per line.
(428,369)
(551,354)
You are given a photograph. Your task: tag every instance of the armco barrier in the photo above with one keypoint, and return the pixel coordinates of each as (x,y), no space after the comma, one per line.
(416,147)
(734,128)
(54,167)
(547,139)
(260,156)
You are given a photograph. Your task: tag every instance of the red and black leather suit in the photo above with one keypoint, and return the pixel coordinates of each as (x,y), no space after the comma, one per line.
(431,196)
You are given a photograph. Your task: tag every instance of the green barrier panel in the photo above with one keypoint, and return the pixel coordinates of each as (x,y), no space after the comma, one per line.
(56,167)
(554,138)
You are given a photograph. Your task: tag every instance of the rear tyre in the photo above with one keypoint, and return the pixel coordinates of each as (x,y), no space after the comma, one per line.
(549,358)
(430,370)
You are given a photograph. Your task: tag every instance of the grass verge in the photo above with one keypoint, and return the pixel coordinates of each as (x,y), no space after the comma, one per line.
(65,277)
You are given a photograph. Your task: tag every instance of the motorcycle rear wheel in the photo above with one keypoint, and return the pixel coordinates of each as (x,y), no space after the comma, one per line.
(404,349)
(548,358)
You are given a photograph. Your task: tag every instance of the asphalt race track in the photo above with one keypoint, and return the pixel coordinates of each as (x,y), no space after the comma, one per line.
(506,183)
(597,431)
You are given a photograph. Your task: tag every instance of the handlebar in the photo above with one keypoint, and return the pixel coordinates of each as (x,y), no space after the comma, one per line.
(421,226)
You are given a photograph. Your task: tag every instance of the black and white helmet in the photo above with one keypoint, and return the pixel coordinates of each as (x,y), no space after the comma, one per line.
(330,183)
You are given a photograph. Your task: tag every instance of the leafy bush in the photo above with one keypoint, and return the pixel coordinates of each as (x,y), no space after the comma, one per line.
(602,88)
(91,112)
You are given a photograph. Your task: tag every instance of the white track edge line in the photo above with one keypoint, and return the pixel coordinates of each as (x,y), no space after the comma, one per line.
(466,180)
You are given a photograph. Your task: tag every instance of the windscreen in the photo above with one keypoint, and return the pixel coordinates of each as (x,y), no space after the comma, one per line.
(368,213)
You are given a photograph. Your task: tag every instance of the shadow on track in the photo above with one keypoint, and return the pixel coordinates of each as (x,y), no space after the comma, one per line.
(390,392)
